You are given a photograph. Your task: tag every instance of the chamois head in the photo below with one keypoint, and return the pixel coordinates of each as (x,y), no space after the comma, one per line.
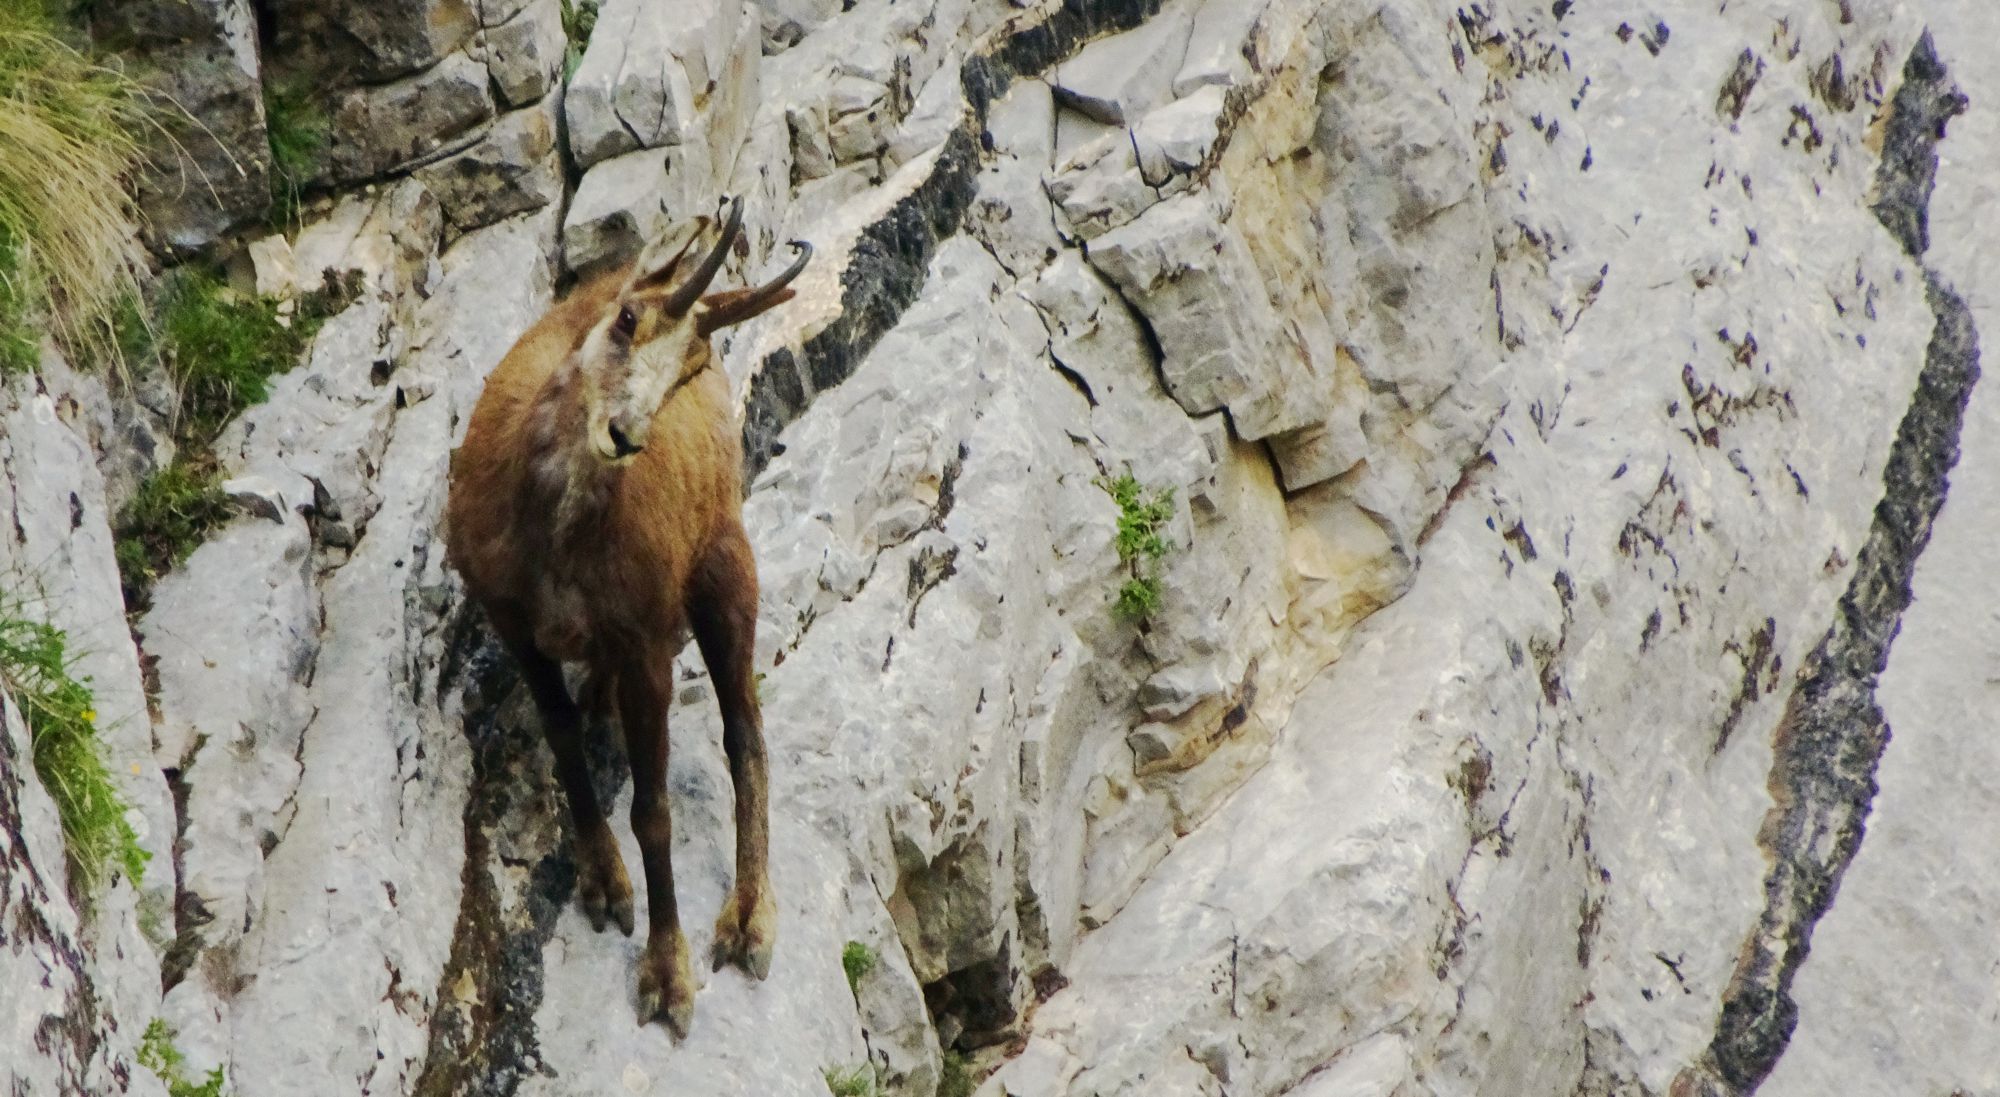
(653,336)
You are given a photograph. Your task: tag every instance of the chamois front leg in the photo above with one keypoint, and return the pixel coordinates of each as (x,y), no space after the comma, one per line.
(666,979)
(723,616)
(602,888)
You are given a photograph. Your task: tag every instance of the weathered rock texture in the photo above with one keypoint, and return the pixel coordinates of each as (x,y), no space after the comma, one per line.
(1567,676)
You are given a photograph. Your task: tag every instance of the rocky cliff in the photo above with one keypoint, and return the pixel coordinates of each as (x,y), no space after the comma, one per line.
(1566,671)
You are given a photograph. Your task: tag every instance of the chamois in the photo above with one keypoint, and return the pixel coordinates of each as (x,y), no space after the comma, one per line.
(595,513)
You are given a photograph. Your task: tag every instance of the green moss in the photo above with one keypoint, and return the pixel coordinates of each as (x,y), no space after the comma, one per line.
(158,1054)
(298,132)
(1143,514)
(958,1079)
(855,1081)
(61,713)
(170,514)
(857,960)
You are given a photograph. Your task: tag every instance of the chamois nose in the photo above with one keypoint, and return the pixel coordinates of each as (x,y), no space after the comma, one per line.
(621,443)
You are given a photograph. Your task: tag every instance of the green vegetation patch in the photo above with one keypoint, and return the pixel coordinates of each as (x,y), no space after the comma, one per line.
(167,518)
(579,19)
(20,302)
(220,349)
(61,714)
(855,1081)
(1143,514)
(958,1079)
(158,1054)
(67,144)
(298,131)
(857,960)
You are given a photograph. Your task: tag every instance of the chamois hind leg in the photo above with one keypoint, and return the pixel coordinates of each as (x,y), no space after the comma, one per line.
(666,979)
(723,615)
(602,888)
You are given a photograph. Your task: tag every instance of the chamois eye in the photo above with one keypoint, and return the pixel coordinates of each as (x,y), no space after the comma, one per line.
(626,324)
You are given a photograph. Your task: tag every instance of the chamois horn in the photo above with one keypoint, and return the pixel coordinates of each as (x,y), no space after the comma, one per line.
(737,306)
(691,290)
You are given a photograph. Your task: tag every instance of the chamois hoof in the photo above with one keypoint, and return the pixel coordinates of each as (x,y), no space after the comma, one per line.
(666,984)
(746,942)
(604,891)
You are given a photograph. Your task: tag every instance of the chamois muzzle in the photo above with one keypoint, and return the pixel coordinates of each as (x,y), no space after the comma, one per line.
(622,444)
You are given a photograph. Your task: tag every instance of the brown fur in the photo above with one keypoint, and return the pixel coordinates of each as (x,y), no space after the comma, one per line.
(579,558)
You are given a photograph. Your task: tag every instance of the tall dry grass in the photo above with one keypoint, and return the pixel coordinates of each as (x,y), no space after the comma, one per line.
(68,143)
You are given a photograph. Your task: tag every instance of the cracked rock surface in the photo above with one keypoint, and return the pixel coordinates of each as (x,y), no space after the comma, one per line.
(1566,674)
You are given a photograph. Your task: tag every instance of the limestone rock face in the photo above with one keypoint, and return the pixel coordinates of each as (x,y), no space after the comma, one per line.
(209,168)
(1543,656)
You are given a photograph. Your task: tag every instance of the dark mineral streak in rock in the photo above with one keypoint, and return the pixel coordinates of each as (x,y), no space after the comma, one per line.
(1833,732)
(886,272)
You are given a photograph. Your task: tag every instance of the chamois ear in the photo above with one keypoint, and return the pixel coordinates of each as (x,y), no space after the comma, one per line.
(721,310)
(688,285)
(661,258)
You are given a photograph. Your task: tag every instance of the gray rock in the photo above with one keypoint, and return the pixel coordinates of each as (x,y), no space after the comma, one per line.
(1176,142)
(512,169)
(1100,188)
(812,153)
(646,73)
(1220,43)
(625,202)
(1116,79)
(524,54)
(358,42)
(1192,274)
(49,965)
(208,168)
(415,119)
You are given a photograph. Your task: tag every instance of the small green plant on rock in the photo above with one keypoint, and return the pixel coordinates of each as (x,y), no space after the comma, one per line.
(1143,514)
(857,960)
(957,1078)
(579,19)
(855,1081)
(61,713)
(170,514)
(220,349)
(158,1054)
(298,132)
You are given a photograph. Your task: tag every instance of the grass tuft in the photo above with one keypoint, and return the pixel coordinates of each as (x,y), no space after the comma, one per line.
(158,1054)
(1143,515)
(67,143)
(170,514)
(61,714)
(20,301)
(220,349)
(855,1081)
(857,960)
(298,131)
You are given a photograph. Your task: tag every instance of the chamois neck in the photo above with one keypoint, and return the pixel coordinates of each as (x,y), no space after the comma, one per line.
(567,486)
